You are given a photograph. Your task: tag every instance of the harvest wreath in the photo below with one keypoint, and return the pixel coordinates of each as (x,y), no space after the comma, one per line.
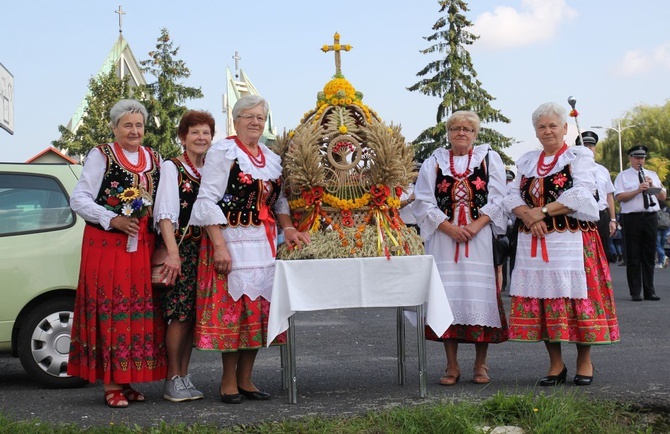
(344,172)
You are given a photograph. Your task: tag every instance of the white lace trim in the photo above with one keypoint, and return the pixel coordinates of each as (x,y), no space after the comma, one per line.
(580,200)
(562,276)
(272,169)
(548,283)
(174,218)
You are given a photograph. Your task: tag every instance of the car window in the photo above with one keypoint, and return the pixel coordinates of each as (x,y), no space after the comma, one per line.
(32,203)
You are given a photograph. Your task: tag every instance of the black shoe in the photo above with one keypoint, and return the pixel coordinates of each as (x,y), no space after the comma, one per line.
(636,298)
(652,297)
(254,396)
(584,380)
(235,398)
(554,380)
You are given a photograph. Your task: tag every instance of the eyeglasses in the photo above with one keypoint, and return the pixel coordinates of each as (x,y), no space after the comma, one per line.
(248,117)
(461,129)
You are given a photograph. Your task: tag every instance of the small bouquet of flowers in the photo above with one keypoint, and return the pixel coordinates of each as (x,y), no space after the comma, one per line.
(136,203)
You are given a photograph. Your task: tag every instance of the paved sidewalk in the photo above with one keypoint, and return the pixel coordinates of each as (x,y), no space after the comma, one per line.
(346,365)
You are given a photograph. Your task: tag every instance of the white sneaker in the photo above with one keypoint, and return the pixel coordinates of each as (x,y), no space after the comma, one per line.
(195,393)
(175,390)
(658,266)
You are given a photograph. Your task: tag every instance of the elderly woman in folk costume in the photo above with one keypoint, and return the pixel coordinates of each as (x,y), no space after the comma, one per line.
(561,287)
(459,195)
(118,332)
(239,204)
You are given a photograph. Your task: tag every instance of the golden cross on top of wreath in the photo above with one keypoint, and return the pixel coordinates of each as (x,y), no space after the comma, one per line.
(336,47)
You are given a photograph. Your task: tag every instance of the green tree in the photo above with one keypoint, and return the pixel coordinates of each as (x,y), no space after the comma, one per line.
(103,92)
(652,130)
(454,80)
(165,98)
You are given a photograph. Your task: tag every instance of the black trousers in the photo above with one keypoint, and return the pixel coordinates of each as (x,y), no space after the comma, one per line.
(640,240)
(604,232)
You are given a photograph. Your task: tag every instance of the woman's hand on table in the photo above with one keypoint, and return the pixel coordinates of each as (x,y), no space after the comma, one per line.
(295,239)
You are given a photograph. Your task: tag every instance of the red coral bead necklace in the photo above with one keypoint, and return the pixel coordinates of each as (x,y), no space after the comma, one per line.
(257,160)
(191,165)
(135,168)
(544,169)
(452,167)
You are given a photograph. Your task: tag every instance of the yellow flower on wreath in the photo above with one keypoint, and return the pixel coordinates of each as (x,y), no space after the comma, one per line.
(343,129)
(393,202)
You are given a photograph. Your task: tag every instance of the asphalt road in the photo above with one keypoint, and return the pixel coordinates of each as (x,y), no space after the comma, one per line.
(346,365)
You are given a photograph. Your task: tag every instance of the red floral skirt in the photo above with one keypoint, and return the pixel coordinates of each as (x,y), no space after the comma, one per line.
(476,333)
(118,333)
(222,323)
(591,320)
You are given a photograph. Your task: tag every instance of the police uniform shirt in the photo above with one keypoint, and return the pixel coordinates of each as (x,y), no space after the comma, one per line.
(604,185)
(629,180)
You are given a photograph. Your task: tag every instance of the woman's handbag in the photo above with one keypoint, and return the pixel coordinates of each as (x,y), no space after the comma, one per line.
(157,261)
(158,258)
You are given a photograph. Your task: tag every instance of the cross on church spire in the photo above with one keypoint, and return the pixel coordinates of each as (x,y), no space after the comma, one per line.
(121,13)
(237,58)
(336,47)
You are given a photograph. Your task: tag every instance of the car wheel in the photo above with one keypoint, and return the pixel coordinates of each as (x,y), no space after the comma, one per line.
(44,343)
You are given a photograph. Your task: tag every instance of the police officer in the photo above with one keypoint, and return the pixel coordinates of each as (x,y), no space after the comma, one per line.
(605,196)
(639,191)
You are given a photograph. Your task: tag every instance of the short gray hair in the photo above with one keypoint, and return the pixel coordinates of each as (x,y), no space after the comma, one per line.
(464,116)
(549,109)
(249,101)
(125,107)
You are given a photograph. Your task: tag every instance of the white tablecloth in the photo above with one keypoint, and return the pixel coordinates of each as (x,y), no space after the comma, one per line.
(318,284)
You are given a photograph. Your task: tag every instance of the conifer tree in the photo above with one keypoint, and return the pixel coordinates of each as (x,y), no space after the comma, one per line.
(165,98)
(453,79)
(103,92)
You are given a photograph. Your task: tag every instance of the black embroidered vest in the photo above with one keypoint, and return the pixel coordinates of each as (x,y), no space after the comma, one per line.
(244,195)
(188,192)
(548,190)
(475,187)
(117,178)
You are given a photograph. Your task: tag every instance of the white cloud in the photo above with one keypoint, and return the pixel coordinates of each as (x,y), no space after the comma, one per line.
(640,62)
(536,21)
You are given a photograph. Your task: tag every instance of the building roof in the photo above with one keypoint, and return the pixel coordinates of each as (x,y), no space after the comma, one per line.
(51,155)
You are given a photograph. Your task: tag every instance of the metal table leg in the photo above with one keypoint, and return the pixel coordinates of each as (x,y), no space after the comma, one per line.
(421,345)
(400,344)
(283,359)
(290,347)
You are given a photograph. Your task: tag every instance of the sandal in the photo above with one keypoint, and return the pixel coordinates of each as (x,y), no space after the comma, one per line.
(481,375)
(133,395)
(116,399)
(450,377)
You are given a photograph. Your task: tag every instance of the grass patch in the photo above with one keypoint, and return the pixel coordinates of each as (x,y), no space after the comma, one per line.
(550,413)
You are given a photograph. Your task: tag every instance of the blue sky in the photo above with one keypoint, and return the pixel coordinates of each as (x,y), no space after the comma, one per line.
(609,54)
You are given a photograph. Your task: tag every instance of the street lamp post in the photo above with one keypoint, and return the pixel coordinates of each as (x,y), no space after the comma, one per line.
(619,129)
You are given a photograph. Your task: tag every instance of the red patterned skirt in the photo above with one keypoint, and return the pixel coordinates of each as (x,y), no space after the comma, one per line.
(587,321)
(476,333)
(118,333)
(222,323)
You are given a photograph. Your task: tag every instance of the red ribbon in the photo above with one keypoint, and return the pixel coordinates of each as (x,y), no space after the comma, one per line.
(269,222)
(462,221)
(543,245)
